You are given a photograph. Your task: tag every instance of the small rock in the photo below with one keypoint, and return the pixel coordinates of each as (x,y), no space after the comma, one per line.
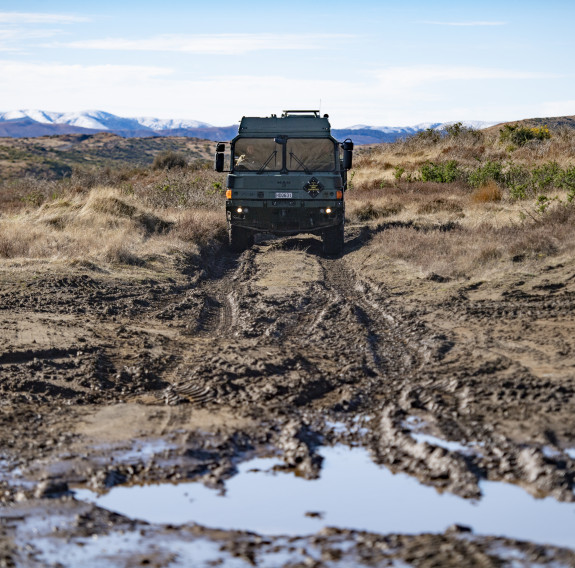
(50,488)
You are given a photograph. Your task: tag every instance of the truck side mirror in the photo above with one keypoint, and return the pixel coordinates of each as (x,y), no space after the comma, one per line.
(347,146)
(219,162)
(219,158)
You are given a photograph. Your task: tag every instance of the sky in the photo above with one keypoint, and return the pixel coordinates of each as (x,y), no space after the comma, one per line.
(380,63)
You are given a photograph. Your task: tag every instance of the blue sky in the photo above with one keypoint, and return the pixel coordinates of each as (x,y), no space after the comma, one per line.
(377,63)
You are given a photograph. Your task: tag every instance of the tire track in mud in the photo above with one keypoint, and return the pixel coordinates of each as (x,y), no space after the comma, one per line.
(311,340)
(210,317)
(289,327)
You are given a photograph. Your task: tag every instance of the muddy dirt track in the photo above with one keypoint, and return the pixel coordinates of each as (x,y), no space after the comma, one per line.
(141,379)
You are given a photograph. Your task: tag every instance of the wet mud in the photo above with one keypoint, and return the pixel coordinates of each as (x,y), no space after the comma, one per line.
(140,377)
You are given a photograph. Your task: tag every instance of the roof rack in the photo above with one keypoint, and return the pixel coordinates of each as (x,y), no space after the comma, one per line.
(286,113)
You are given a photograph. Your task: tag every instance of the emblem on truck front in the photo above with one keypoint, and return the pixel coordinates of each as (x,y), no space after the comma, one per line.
(313,187)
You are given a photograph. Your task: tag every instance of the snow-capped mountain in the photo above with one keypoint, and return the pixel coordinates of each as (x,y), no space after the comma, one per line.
(100,120)
(160,124)
(31,123)
(365,134)
(475,124)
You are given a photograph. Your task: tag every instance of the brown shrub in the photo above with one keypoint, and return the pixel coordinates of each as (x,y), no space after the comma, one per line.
(488,192)
(168,160)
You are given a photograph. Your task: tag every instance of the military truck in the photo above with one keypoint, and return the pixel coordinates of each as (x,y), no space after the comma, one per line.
(287,176)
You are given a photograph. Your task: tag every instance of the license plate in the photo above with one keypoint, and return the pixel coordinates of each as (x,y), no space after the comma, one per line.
(283,195)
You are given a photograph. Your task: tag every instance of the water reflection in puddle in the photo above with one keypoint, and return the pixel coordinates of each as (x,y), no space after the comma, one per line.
(143,451)
(352,492)
(118,549)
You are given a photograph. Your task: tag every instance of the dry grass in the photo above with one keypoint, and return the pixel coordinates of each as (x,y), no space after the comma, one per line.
(200,227)
(379,165)
(488,192)
(405,201)
(126,216)
(135,216)
(461,251)
(474,225)
(105,226)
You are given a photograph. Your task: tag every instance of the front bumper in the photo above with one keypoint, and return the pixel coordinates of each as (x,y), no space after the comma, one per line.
(285,217)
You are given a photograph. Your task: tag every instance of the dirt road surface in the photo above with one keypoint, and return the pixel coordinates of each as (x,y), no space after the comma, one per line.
(140,379)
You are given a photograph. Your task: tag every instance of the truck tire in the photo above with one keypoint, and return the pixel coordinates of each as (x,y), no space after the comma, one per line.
(332,239)
(239,238)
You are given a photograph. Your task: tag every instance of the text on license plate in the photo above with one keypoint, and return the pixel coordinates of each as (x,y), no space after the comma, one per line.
(283,195)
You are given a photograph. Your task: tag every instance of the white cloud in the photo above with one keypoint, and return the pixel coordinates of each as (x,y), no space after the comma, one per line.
(153,91)
(223,44)
(39,18)
(476,23)
(558,108)
(29,81)
(393,96)
(399,79)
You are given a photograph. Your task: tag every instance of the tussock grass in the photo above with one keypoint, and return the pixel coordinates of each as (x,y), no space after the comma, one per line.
(485,239)
(469,212)
(504,203)
(431,154)
(105,225)
(200,227)
(405,201)
(488,192)
(126,216)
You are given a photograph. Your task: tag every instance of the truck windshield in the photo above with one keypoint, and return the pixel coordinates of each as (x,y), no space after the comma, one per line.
(257,154)
(310,155)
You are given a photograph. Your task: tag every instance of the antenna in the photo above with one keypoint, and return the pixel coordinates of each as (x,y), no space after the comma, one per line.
(320,107)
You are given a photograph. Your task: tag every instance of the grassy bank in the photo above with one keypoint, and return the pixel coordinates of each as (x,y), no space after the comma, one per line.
(465,203)
(112,216)
(455,205)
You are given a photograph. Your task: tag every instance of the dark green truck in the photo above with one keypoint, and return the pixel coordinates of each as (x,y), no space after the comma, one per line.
(287,176)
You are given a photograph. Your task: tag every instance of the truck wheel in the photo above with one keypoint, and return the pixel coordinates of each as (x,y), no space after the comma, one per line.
(239,238)
(333,240)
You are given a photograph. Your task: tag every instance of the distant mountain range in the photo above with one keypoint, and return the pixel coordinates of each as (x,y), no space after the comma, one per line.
(32,123)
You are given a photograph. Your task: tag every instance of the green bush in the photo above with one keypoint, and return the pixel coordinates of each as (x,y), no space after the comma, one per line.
(520,135)
(518,180)
(568,179)
(490,171)
(457,130)
(429,135)
(546,176)
(445,172)
(398,172)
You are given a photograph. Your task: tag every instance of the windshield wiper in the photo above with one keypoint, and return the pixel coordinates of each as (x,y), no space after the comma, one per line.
(272,155)
(292,155)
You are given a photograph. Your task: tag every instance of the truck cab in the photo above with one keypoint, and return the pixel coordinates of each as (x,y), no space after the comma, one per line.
(287,176)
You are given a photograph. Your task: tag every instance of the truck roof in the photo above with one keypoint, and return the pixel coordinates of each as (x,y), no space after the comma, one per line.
(294,122)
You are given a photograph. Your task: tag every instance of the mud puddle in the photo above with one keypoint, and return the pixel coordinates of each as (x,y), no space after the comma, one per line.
(352,493)
(92,552)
